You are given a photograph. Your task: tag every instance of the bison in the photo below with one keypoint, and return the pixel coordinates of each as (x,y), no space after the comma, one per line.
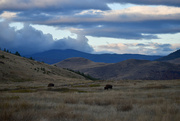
(108,86)
(50,85)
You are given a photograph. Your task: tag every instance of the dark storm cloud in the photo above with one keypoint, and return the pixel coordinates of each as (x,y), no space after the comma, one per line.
(29,40)
(129,30)
(163,47)
(41,10)
(52,5)
(67,5)
(117,32)
(94,17)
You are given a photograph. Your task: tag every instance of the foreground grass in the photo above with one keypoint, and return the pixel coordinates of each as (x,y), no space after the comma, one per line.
(128,101)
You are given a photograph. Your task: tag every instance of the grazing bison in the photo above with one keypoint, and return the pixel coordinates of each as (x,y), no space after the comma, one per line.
(108,86)
(50,85)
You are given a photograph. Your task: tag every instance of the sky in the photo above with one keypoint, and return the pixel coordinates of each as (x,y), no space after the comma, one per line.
(150,27)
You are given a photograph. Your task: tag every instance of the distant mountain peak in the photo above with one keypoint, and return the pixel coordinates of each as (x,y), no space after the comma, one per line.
(55,56)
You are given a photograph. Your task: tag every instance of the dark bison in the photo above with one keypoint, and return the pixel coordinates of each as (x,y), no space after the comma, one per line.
(50,85)
(108,86)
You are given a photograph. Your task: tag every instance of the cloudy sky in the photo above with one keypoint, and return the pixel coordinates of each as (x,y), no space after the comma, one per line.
(150,27)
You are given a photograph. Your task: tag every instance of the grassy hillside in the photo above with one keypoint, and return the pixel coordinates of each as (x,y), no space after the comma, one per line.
(24,95)
(127,70)
(78,63)
(19,69)
(171,56)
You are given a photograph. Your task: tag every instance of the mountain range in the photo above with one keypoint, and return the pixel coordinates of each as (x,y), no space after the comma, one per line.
(131,69)
(19,69)
(54,56)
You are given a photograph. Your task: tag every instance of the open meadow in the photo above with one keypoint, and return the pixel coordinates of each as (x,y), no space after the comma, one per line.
(89,60)
(88,101)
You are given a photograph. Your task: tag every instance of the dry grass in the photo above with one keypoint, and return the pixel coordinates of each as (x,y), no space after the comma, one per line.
(24,95)
(127,102)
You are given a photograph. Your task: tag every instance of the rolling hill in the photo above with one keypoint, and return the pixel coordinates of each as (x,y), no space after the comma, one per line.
(18,69)
(78,63)
(171,56)
(131,69)
(55,56)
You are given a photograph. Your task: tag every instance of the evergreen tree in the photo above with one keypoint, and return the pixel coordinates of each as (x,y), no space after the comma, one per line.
(17,53)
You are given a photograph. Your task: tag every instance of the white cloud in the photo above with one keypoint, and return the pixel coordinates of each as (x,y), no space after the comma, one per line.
(90,12)
(28,40)
(52,5)
(8,15)
(136,13)
(91,18)
(134,48)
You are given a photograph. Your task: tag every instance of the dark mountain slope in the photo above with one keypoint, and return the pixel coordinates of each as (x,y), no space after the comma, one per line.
(128,70)
(175,61)
(55,56)
(171,56)
(137,69)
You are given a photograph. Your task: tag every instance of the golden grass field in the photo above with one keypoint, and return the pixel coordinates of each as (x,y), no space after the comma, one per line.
(88,101)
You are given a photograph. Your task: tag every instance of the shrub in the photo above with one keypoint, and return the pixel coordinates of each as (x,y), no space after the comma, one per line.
(31,58)
(17,53)
(2,56)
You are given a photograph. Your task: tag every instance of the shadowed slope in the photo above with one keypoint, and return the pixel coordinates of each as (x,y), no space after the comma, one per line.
(126,70)
(175,61)
(171,56)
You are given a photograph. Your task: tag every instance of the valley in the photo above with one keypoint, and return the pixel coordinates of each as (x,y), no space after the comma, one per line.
(25,95)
